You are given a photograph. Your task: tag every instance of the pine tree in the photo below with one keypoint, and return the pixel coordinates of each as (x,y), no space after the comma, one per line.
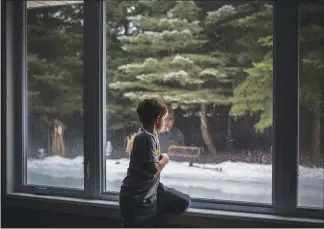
(54,68)
(174,62)
(223,22)
(117,24)
(254,94)
(311,74)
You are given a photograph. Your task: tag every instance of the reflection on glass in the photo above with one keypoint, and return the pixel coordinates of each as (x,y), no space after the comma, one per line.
(212,63)
(55,100)
(311,153)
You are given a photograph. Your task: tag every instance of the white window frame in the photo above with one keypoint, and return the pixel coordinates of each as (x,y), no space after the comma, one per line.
(285,107)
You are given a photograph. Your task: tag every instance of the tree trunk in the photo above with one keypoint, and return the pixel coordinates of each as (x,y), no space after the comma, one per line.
(57,139)
(229,136)
(49,142)
(315,156)
(205,132)
(126,28)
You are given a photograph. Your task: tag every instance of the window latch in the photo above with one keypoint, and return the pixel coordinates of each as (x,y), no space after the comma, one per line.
(41,191)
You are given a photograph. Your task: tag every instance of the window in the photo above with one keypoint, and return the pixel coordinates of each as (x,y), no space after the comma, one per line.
(238,137)
(55,95)
(311,91)
(212,64)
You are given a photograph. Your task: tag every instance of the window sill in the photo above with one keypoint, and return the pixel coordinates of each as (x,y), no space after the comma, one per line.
(110,209)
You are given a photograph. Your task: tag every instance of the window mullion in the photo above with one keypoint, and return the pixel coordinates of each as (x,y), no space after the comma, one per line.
(285,116)
(20,92)
(93,58)
(103,85)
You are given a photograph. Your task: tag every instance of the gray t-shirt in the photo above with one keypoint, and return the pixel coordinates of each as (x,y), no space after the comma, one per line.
(139,183)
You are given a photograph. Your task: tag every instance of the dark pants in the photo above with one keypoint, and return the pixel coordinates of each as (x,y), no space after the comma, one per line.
(150,213)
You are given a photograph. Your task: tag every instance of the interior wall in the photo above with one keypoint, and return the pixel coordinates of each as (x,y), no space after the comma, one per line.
(28,218)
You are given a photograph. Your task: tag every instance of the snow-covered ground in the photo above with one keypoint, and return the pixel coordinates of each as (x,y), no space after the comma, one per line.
(237,181)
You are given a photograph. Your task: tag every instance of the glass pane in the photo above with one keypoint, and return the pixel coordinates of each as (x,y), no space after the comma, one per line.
(55,100)
(212,63)
(311,153)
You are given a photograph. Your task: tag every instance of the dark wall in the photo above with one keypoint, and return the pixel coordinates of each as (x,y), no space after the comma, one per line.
(27,218)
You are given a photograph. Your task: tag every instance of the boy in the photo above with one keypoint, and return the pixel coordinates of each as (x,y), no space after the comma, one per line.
(143,200)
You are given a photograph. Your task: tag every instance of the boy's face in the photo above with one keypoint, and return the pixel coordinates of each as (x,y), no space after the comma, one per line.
(169,122)
(160,123)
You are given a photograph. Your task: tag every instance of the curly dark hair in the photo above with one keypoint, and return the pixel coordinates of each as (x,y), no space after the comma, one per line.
(148,110)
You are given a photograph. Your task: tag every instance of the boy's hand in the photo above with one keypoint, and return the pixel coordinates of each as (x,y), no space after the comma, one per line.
(165,156)
(163,160)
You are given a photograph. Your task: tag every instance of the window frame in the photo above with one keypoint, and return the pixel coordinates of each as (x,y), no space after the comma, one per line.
(285,111)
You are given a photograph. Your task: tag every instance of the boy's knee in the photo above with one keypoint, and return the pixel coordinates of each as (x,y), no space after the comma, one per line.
(187,203)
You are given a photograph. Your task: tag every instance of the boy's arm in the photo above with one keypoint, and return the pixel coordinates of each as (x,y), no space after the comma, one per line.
(157,167)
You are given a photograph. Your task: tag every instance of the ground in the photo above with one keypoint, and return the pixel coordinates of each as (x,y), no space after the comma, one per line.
(236,181)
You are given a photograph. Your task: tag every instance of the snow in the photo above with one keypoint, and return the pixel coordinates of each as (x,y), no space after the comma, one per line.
(236,181)
(180,59)
(181,76)
(224,11)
